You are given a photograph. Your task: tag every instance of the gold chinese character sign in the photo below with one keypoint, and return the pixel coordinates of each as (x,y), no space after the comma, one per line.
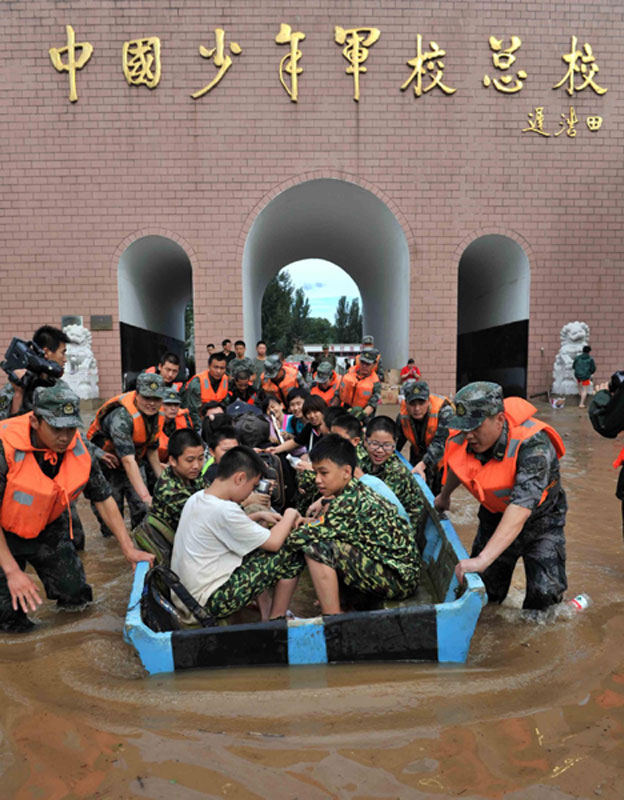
(73,62)
(289,63)
(424,65)
(141,62)
(221,60)
(356,41)
(583,63)
(503,60)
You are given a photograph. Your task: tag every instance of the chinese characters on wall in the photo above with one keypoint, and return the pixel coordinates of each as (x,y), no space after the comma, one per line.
(141,64)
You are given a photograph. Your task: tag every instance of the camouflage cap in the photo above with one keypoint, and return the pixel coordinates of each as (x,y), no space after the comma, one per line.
(325,346)
(474,403)
(324,371)
(57,405)
(416,390)
(369,356)
(241,370)
(150,385)
(368,340)
(171,396)
(272,366)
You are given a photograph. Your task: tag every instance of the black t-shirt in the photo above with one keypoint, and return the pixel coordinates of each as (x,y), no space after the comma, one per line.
(307,437)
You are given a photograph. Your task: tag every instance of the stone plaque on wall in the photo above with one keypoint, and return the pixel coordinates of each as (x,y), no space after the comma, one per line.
(71,319)
(101,322)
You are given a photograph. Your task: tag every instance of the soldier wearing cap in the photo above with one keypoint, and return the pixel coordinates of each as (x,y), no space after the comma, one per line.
(368,343)
(127,426)
(324,356)
(423,422)
(171,418)
(326,383)
(361,387)
(45,464)
(279,378)
(509,461)
(210,386)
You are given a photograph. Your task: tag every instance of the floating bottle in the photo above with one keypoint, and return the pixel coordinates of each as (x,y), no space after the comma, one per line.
(580,602)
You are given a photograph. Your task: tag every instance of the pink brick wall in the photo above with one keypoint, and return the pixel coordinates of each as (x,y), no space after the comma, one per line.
(82,181)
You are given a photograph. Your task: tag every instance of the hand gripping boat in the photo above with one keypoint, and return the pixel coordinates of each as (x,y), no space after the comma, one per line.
(436,624)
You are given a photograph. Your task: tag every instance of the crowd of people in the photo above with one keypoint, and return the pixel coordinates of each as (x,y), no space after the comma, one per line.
(250,472)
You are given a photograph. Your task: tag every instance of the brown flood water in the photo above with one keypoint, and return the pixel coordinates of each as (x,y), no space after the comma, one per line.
(537,713)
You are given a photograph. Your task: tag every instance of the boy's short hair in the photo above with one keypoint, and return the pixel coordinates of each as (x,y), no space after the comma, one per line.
(296,392)
(240,459)
(349,423)
(336,449)
(382,425)
(221,433)
(313,402)
(220,356)
(50,337)
(181,439)
(172,358)
(260,341)
(226,341)
(330,414)
(239,341)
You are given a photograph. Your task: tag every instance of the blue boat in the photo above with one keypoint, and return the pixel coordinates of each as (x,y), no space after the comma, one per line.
(437,624)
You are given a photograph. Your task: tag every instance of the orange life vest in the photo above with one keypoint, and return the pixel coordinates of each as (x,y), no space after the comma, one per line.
(356,391)
(31,499)
(435,404)
(281,389)
(177,385)
(619,461)
(208,394)
(140,436)
(182,420)
(491,483)
(329,393)
(356,363)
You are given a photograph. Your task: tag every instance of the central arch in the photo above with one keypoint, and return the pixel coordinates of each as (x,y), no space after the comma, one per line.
(349,226)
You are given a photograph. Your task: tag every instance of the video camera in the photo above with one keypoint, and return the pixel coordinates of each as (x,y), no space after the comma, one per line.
(28,356)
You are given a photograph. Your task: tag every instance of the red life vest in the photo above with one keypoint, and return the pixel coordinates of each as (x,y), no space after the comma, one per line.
(620,459)
(281,389)
(491,483)
(177,385)
(182,420)
(331,391)
(140,436)
(208,395)
(435,404)
(356,391)
(31,499)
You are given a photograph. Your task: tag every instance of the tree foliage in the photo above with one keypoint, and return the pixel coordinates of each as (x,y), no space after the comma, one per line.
(286,318)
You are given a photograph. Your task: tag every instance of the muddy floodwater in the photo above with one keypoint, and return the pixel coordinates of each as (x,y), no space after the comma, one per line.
(537,712)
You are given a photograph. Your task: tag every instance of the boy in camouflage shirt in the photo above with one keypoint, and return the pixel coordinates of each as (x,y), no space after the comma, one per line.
(377,456)
(361,538)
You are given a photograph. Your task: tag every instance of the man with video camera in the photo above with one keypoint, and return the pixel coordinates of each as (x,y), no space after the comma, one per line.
(43,365)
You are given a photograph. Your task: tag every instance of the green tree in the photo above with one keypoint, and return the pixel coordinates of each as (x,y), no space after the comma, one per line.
(354,324)
(277,305)
(300,314)
(341,320)
(320,330)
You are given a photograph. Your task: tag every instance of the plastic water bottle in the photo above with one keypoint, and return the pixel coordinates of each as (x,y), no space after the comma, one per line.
(580,602)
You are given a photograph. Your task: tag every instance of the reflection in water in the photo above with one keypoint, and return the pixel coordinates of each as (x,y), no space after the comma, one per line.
(537,712)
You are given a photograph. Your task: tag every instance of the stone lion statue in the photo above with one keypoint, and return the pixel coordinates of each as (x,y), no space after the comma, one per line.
(81,371)
(573,336)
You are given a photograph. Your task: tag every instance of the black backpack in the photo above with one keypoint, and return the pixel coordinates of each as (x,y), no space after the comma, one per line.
(157,610)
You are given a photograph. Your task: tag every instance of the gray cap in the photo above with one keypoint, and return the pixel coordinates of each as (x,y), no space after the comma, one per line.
(474,403)
(369,356)
(171,395)
(272,366)
(416,390)
(57,405)
(368,339)
(324,371)
(150,385)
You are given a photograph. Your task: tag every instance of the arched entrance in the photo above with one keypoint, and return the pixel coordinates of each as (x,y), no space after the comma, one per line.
(493,314)
(349,226)
(155,286)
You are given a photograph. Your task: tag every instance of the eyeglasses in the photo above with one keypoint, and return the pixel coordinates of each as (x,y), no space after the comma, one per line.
(387,447)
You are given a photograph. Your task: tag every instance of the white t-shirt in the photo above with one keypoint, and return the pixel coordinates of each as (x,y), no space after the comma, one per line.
(212,537)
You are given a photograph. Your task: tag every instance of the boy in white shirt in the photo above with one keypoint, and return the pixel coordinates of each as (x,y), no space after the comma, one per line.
(224,557)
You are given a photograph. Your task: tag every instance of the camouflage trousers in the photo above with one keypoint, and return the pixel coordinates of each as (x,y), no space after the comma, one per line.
(122,491)
(540,544)
(53,557)
(259,571)
(359,571)
(307,492)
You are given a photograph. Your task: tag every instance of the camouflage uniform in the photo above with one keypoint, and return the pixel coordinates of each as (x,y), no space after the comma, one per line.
(236,364)
(307,492)
(541,542)
(52,553)
(363,537)
(398,477)
(170,494)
